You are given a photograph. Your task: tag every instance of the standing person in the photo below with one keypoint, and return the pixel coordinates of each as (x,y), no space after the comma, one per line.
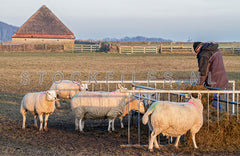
(211,67)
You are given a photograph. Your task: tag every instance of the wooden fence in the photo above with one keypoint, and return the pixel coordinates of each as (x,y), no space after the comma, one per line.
(171,49)
(138,49)
(85,48)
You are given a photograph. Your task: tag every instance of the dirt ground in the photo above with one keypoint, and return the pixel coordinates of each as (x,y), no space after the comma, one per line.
(62,139)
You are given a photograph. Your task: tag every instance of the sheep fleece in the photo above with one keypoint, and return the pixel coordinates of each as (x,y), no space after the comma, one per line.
(175,119)
(37,103)
(98,105)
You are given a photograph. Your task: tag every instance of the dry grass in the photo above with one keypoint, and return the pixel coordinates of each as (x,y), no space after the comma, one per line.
(12,65)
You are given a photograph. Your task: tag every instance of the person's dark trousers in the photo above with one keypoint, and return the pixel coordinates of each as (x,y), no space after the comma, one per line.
(216,102)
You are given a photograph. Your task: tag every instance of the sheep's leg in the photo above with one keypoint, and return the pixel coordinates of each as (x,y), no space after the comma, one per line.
(153,137)
(194,141)
(110,123)
(81,122)
(24,113)
(156,143)
(41,122)
(177,140)
(76,124)
(58,103)
(121,121)
(113,129)
(45,122)
(35,121)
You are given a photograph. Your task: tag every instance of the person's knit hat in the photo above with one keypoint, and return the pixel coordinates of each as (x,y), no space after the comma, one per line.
(196,45)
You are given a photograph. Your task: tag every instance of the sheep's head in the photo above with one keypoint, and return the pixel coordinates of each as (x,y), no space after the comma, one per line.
(51,95)
(122,89)
(142,110)
(197,101)
(83,86)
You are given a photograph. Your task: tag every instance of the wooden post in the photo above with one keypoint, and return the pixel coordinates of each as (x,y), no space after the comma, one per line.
(144,50)
(81,48)
(120,49)
(72,47)
(132,49)
(171,47)
(156,50)
(161,47)
(91,48)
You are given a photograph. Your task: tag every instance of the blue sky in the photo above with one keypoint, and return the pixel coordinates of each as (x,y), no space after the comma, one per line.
(178,20)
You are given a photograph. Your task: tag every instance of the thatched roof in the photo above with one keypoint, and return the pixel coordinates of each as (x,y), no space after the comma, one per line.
(43,24)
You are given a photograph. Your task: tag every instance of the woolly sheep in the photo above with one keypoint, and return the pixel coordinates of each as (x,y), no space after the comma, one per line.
(98,105)
(39,104)
(66,89)
(133,104)
(174,119)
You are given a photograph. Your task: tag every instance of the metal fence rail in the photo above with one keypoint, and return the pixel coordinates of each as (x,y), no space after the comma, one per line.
(182,93)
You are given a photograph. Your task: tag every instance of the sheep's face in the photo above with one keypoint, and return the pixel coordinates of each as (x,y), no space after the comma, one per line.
(51,95)
(197,101)
(142,110)
(83,87)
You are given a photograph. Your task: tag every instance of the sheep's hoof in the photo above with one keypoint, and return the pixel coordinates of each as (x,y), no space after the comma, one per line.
(151,150)
(46,129)
(109,131)
(157,148)
(23,128)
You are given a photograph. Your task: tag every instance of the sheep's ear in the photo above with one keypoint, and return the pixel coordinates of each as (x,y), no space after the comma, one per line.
(120,86)
(133,88)
(47,92)
(199,95)
(188,96)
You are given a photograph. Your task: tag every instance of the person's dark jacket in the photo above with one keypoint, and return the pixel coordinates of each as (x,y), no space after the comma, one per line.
(211,67)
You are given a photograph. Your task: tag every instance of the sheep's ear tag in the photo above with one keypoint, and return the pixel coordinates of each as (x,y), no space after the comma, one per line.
(120,86)
(47,92)
(199,95)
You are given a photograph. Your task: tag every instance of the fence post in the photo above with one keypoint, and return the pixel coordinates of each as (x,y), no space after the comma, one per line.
(171,47)
(156,50)
(144,50)
(72,47)
(120,49)
(161,47)
(132,49)
(91,48)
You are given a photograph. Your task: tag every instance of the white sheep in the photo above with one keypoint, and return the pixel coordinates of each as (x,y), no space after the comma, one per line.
(99,105)
(174,119)
(66,89)
(39,104)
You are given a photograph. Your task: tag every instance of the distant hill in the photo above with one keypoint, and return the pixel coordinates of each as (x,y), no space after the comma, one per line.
(6,31)
(138,39)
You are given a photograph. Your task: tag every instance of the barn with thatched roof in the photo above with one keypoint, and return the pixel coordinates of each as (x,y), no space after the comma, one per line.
(43,27)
